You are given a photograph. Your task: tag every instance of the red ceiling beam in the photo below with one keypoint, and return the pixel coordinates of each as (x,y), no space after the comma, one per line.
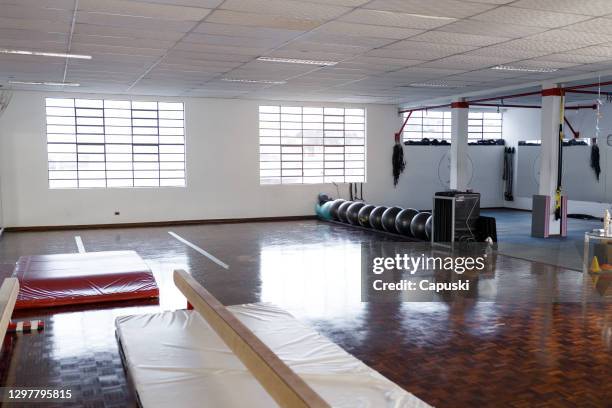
(587,92)
(545,92)
(500,105)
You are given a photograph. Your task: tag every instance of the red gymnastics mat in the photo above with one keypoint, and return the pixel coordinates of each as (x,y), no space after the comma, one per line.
(93,277)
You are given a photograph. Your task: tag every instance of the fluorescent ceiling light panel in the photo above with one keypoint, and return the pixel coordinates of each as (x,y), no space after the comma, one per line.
(45,54)
(43,83)
(254,81)
(523,69)
(297,61)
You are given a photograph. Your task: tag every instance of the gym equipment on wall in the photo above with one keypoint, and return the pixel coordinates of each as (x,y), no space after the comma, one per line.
(403,220)
(560,162)
(595,158)
(508,175)
(343,209)
(398,162)
(417,226)
(376,217)
(388,219)
(352,213)
(397,159)
(333,210)
(364,215)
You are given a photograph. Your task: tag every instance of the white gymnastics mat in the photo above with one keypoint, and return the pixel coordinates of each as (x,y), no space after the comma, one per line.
(175,359)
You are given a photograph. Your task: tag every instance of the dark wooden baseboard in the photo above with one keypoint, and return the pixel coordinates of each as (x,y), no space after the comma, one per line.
(41,228)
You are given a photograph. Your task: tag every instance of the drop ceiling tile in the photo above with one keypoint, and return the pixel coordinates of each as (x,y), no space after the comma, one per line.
(575,58)
(133,22)
(30,35)
(572,37)
(93,49)
(441,8)
(44,4)
(413,54)
(33,45)
(244,31)
(442,37)
(443,48)
(536,18)
(475,27)
(430,71)
(543,63)
(120,41)
(261,20)
(528,44)
(209,4)
(139,9)
(286,8)
(307,55)
(392,19)
(104,31)
(34,25)
(507,52)
(108,66)
(596,25)
(180,56)
(342,51)
(594,8)
(367,30)
(226,40)
(596,50)
(466,62)
(347,3)
(22,12)
(218,49)
(278,68)
(349,40)
(487,75)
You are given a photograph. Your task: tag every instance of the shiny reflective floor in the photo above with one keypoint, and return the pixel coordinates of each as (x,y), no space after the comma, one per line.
(456,352)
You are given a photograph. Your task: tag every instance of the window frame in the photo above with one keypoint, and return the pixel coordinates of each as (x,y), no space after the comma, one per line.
(419,122)
(279,124)
(79,143)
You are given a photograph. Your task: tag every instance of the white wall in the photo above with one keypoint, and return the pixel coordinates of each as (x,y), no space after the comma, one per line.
(222,170)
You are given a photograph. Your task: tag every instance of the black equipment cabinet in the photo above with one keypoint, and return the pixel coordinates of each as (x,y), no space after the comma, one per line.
(455,216)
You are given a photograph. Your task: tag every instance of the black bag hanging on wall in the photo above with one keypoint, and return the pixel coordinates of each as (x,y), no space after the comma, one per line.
(398,161)
(508,175)
(595,159)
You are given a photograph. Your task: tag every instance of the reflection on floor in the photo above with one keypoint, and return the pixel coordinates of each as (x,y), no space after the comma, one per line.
(459,352)
(514,235)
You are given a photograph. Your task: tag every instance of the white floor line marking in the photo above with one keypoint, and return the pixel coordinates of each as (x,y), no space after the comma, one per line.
(200,250)
(79,243)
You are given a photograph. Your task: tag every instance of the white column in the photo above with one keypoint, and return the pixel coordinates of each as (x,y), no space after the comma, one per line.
(459,145)
(549,157)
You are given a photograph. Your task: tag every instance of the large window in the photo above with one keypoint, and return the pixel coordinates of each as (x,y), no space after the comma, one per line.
(437,125)
(484,125)
(95,143)
(428,124)
(311,145)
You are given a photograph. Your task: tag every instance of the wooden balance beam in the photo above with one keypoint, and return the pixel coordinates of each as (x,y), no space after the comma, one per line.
(283,385)
(8,297)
